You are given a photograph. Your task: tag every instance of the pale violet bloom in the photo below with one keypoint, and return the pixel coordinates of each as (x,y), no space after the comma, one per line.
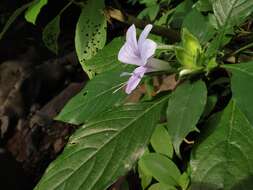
(139,53)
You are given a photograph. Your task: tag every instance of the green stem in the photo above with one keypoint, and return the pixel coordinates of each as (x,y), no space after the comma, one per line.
(165,47)
(243,48)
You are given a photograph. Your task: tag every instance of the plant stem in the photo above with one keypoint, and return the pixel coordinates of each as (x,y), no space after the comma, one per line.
(172,35)
(243,48)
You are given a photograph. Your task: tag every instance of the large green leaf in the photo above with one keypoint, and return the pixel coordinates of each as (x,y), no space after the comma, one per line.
(223,158)
(98,95)
(185,107)
(232,12)
(103,149)
(90,31)
(13,18)
(199,26)
(106,58)
(33,11)
(242,85)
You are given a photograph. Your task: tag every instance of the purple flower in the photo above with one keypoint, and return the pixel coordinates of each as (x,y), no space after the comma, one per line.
(138,53)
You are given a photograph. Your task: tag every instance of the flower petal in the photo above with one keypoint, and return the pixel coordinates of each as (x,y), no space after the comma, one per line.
(147,50)
(131,38)
(144,34)
(135,79)
(128,55)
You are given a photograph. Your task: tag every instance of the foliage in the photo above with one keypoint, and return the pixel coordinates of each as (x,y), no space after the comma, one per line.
(192,125)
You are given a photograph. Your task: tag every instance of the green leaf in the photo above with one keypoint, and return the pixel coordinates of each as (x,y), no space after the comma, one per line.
(160,186)
(106,59)
(242,85)
(161,168)
(33,11)
(151,12)
(232,12)
(161,141)
(180,12)
(51,34)
(184,181)
(223,158)
(97,96)
(146,179)
(199,26)
(104,149)
(185,107)
(13,17)
(90,32)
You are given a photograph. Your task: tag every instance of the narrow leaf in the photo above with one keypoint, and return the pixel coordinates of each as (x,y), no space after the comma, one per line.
(33,11)
(184,110)
(13,18)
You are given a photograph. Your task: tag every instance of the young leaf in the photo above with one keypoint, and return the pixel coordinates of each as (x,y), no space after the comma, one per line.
(161,141)
(97,96)
(13,18)
(185,107)
(242,85)
(223,159)
(106,58)
(51,34)
(90,32)
(33,11)
(161,168)
(104,149)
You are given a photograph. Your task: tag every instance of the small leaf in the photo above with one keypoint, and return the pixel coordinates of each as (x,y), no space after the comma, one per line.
(242,85)
(161,141)
(104,149)
(160,186)
(184,181)
(146,179)
(223,158)
(97,96)
(51,34)
(90,32)
(33,11)
(161,168)
(13,17)
(185,107)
